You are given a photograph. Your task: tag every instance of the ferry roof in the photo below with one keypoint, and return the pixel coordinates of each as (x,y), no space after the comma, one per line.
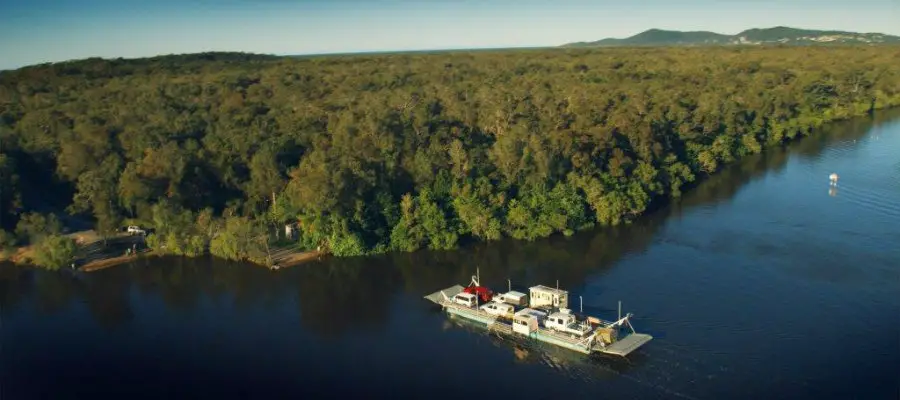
(562,315)
(514,293)
(530,311)
(545,289)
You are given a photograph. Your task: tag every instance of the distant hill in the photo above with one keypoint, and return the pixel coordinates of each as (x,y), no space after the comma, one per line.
(776,35)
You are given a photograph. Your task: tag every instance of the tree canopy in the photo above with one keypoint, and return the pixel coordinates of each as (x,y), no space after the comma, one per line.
(370,153)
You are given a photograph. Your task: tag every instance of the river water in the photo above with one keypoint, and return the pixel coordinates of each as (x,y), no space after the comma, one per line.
(762,282)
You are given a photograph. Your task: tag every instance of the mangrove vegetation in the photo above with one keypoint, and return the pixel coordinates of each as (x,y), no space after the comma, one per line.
(363,154)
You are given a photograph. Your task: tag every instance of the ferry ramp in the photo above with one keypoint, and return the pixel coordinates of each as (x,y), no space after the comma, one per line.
(451,291)
(627,344)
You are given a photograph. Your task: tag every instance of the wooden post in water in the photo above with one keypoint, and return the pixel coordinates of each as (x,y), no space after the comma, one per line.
(508,285)
(620,309)
(581,304)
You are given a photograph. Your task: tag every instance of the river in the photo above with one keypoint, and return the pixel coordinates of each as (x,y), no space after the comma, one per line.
(761,282)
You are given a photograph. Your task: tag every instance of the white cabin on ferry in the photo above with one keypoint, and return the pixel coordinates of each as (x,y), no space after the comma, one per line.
(543,296)
(527,321)
(513,297)
(499,309)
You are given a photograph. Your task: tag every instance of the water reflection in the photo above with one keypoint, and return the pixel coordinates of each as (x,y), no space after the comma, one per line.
(14,285)
(344,295)
(723,185)
(847,131)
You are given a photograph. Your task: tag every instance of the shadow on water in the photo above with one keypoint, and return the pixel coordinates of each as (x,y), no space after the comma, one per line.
(725,184)
(842,131)
(367,285)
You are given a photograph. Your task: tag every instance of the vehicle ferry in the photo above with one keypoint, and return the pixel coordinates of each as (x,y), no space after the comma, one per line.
(542,315)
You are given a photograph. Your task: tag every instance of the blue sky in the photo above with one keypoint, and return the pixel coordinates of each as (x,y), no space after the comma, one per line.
(35,31)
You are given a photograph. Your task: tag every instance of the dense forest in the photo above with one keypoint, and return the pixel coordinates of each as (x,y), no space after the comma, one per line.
(361,283)
(372,153)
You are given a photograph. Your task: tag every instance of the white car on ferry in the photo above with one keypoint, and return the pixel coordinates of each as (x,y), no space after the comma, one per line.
(466,299)
(499,309)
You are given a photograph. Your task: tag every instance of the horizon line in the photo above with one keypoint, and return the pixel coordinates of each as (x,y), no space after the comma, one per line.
(419,50)
(291,55)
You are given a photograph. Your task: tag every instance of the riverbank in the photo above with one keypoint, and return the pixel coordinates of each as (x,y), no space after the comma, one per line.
(104,263)
(94,255)
(93,252)
(287,257)
(23,254)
